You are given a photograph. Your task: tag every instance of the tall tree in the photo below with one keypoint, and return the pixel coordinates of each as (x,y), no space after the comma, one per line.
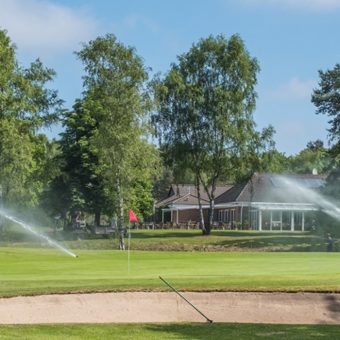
(205,110)
(110,163)
(314,157)
(273,161)
(26,104)
(326,98)
(81,177)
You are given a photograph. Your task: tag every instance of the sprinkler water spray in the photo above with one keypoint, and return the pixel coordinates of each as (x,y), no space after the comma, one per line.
(316,198)
(31,229)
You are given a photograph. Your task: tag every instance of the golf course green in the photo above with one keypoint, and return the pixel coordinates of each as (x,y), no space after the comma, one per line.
(28,271)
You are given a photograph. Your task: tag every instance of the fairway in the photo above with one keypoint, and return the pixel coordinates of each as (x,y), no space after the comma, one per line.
(27,271)
(170,331)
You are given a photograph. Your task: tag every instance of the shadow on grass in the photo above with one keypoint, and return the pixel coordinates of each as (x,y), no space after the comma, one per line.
(276,242)
(247,233)
(165,234)
(245,331)
(170,331)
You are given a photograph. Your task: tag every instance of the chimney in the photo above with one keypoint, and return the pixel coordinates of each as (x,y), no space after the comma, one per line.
(314,171)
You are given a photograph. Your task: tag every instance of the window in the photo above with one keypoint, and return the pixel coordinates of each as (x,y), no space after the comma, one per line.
(232,215)
(226,216)
(276,216)
(220,215)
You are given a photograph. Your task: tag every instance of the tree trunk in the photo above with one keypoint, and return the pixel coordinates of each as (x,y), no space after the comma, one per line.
(121,229)
(210,216)
(202,224)
(97,219)
(211,196)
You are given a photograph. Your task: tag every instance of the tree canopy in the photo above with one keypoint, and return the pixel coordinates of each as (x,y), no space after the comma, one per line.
(326,98)
(205,104)
(108,161)
(26,104)
(104,163)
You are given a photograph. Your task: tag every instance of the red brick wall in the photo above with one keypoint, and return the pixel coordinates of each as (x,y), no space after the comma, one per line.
(192,215)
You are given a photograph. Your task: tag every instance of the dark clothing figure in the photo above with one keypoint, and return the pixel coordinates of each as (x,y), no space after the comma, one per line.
(329,243)
(80,221)
(121,235)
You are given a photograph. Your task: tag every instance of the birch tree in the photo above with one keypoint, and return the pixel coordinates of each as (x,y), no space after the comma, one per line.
(205,106)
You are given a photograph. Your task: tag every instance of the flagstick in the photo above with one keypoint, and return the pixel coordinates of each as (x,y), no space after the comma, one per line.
(132,218)
(129,238)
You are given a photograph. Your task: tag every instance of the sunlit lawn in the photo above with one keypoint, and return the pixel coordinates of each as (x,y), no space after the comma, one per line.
(219,240)
(37,271)
(170,331)
(182,240)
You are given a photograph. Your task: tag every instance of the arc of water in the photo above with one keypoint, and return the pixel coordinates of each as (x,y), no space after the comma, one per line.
(36,233)
(325,205)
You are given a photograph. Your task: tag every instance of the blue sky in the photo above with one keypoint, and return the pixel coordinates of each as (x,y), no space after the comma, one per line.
(292,40)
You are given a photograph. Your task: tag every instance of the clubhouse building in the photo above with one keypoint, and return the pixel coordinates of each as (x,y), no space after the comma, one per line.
(267,202)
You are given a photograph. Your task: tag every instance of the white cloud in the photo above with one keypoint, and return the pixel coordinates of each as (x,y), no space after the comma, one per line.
(43,25)
(294,89)
(135,21)
(313,5)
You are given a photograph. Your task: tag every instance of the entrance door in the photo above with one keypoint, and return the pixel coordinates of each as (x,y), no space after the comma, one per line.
(298,220)
(276,222)
(254,219)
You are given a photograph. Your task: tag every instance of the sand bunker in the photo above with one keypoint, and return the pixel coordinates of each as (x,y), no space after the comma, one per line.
(284,308)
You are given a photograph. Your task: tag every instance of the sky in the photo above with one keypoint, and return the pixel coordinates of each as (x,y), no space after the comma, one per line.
(291,39)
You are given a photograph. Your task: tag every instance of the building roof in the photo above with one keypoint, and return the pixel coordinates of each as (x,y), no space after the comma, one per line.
(186,194)
(274,188)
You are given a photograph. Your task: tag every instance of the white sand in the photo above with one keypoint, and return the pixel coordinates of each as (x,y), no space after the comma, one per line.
(285,308)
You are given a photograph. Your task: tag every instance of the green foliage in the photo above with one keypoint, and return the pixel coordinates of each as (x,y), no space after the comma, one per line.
(314,156)
(23,92)
(332,187)
(107,159)
(326,98)
(162,184)
(26,163)
(273,161)
(205,105)
(16,162)
(80,178)
(26,104)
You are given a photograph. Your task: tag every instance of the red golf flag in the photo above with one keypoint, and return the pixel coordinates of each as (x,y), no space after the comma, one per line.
(132,216)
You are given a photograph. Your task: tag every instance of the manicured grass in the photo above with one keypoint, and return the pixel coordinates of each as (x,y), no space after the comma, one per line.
(183,240)
(38,271)
(170,331)
(192,240)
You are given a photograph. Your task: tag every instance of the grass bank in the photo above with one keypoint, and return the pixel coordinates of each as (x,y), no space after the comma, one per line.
(183,240)
(224,240)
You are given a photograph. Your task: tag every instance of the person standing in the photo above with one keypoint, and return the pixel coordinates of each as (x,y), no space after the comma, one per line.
(330,242)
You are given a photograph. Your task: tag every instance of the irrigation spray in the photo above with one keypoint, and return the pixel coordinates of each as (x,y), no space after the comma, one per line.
(325,205)
(31,229)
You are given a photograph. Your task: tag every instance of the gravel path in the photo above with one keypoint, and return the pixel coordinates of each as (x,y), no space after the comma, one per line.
(285,308)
